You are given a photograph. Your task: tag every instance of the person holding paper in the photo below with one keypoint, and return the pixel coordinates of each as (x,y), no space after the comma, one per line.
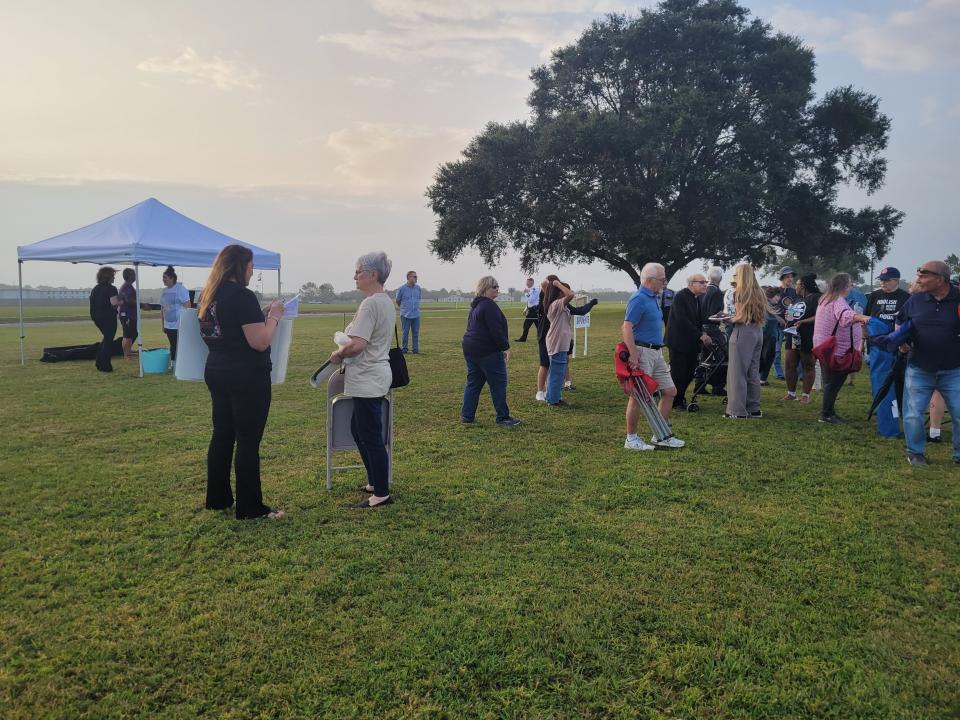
(173,299)
(367,373)
(238,377)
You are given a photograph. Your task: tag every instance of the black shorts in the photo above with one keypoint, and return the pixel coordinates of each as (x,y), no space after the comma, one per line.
(544,357)
(129,326)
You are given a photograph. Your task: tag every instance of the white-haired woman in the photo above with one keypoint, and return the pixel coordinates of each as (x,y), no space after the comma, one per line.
(367,372)
(486,348)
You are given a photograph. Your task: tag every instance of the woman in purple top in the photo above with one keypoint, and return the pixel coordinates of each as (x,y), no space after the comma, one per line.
(834,316)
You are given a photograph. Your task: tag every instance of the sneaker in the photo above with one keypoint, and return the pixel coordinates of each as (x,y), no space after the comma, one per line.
(508,422)
(805,399)
(934,439)
(757,415)
(830,419)
(791,396)
(541,395)
(637,444)
(728,416)
(764,383)
(919,459)
(559,404)
(569,386)
(670,442)
(520,340)
(466,421)
(404,351)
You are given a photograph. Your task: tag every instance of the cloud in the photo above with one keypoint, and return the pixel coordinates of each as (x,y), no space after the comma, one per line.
(477,38)
(911,40)
(215,71)
(372,81)
(382,158)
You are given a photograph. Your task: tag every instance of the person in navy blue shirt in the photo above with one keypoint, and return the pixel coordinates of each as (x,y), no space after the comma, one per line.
(934,362)
(408,300)
(643,335)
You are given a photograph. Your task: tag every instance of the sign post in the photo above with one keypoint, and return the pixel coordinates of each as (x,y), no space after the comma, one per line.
(581,322)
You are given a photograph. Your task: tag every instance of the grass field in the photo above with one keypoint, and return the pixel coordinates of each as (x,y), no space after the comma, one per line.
(771,569)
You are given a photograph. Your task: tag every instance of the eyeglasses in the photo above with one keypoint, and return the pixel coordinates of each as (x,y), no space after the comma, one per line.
(495,287)
(924,271)
(699,282)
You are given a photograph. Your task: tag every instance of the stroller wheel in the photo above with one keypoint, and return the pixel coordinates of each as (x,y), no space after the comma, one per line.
(693,407)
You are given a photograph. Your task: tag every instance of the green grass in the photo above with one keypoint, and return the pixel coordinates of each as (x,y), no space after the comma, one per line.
(771,569)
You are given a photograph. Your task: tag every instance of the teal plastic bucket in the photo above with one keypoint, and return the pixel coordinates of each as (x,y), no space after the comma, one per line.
(155,361)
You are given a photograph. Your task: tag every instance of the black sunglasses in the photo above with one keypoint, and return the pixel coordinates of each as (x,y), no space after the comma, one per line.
(924,271)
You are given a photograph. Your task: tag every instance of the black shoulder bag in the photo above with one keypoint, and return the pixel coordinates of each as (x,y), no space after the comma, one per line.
(398,364)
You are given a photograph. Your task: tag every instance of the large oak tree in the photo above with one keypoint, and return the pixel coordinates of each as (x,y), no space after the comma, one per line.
(687,132)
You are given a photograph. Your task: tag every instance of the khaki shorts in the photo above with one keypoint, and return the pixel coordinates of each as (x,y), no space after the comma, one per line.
(653,364)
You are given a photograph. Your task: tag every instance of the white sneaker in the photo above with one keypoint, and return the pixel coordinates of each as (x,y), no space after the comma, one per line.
(670,442)
(637,444)
(542,395)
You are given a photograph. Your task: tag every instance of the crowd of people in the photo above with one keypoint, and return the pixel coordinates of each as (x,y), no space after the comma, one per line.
(816,327)
(110,306)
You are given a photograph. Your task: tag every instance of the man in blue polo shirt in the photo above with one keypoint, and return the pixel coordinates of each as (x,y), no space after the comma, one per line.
(408,300)
(934,362)
(643,336)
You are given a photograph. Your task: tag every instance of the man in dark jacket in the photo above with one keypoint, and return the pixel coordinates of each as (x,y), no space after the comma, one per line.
(685,335)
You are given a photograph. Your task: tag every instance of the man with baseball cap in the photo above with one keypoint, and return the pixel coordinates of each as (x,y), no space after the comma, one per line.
(934,363)
(882,307)
(788,296)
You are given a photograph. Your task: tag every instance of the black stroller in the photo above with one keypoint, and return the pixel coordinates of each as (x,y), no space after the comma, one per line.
(712,369)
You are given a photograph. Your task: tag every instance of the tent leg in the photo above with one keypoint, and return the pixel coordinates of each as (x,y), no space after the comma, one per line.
(278,282)
(23,357)
(136,270)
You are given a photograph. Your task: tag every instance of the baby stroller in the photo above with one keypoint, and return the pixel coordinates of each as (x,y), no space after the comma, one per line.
(643,389)
(712,369)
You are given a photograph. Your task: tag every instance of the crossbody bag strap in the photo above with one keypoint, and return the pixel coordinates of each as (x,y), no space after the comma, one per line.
(396,335)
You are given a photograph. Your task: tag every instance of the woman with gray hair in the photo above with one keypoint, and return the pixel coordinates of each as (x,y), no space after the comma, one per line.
(367,372)
(486,349)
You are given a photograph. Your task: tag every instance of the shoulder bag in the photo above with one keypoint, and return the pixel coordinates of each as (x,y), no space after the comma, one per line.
(398,364)
(850,362)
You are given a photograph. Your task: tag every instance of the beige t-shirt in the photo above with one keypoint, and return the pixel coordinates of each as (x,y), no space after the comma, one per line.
(368,374)
(560,334)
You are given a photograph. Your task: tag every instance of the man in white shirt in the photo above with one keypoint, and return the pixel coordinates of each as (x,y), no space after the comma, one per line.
(532,293)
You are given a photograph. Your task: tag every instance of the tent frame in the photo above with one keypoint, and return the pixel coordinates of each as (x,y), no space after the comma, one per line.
(136,269)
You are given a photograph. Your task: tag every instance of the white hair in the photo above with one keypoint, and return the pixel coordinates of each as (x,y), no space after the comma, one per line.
(694,276)
(377,262)
(715,275)
(651,270)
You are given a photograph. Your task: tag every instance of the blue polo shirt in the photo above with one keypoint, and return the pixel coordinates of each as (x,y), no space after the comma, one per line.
(409,299)
(644,312)
(936,330)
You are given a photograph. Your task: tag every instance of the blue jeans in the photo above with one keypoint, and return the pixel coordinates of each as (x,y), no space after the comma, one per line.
(408,325)
(917,392)
(777,366)
(490,369)
(558,368)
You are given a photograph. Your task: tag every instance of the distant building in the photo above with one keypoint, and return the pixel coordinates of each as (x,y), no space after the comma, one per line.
(32,294)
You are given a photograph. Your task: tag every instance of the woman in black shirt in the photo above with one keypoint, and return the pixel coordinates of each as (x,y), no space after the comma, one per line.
(238,377)
(799,344)
(103,312)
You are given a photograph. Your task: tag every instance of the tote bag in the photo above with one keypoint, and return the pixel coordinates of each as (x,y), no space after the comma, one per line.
(398,364)
(826,352)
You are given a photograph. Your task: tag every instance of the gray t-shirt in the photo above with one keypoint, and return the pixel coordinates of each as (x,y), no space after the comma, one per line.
(368,374)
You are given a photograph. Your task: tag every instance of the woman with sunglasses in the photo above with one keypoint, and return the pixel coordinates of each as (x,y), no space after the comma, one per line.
(486,349)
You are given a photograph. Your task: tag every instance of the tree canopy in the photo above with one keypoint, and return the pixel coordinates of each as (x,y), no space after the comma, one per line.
(687,132)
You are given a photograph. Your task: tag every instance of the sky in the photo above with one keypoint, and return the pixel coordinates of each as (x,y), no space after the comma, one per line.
(313,128)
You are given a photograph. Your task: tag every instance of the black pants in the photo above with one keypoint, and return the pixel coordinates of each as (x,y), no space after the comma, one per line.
(366,426)
(107,328)
(532,320)
(832,382)
(240,409)
(172,337)
(768,352)
(682,367)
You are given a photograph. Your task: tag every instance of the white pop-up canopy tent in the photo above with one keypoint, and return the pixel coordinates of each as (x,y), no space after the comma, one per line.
(149,233)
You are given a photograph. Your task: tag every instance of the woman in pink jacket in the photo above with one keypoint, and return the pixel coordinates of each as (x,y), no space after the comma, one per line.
(835,317)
